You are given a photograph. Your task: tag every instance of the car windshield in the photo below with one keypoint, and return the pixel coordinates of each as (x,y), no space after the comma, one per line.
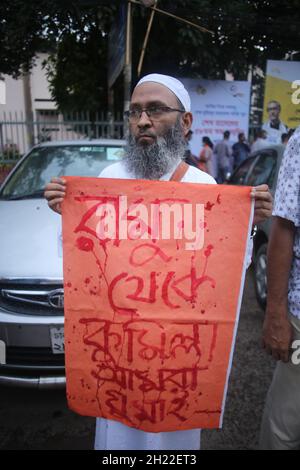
(43,163)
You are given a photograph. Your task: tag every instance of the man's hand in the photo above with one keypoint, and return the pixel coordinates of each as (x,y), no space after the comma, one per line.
(263,203)
(277,329)
(277,334)
(55,192)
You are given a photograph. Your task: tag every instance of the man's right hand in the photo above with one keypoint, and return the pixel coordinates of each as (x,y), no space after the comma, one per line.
(55,192)
(277,329)
(277,333)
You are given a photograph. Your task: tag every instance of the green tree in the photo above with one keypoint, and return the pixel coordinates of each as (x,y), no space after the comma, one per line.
(74,33)
(247,33)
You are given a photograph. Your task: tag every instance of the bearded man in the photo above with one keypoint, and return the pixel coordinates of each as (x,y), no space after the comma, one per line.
(159,120)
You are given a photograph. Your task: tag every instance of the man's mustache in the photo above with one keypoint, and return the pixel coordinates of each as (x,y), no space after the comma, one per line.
(145,134)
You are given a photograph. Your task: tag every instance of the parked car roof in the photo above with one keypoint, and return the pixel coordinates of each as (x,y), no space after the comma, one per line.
(57,143)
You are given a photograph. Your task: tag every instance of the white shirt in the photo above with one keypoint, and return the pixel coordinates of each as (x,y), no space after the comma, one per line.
(193,175)
(287,206)
(274,135)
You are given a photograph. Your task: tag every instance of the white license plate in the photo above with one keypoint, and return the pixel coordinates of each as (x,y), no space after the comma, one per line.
(57,340)
(2,353)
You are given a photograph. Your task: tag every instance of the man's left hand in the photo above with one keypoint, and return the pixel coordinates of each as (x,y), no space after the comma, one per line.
(263,203)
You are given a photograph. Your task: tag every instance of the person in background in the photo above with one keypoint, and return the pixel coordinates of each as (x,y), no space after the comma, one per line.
(240,150)
(260,141)
(284,138)
(274,127)
(205,157)
(223,153)
(189,158)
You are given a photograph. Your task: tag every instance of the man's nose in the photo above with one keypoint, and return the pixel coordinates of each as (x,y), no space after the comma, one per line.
(144,120)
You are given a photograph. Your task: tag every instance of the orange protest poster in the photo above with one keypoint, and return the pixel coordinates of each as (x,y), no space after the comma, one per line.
(153,277)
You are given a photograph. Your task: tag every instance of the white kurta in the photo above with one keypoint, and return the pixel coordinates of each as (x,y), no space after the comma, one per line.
(112,435)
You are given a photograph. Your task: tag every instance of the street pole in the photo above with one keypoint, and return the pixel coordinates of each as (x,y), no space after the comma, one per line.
(147,35)
(128,59)
(150,4)
(28,109)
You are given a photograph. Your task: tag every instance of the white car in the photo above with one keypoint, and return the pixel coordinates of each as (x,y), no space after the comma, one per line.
(31,274)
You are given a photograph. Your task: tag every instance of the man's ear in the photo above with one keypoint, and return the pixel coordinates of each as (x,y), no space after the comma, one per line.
(187,121)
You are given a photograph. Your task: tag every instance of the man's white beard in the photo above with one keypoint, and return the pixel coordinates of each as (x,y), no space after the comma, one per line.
(154,160)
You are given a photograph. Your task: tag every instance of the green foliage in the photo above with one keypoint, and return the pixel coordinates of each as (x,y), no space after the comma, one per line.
(246,33)
(75,35)
(78,72)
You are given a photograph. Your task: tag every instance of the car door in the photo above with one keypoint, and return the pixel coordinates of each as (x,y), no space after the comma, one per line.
(263,170)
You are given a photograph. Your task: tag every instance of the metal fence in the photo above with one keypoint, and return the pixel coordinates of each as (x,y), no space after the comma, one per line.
(18,134)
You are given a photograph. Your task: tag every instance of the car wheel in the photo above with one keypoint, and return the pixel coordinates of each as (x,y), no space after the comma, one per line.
(260,271)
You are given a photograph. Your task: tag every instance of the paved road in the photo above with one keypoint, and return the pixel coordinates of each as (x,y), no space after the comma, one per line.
(41,420)
(250,378)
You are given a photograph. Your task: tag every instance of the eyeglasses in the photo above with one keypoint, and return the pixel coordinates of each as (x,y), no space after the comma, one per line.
(153,112)
(273,109)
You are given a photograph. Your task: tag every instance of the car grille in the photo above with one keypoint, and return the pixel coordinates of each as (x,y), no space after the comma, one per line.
(33,358)
(32,299)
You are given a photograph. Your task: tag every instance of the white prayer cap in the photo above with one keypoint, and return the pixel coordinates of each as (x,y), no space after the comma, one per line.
(172,84)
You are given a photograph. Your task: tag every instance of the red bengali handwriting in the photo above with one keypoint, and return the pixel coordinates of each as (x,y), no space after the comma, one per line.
(123,356)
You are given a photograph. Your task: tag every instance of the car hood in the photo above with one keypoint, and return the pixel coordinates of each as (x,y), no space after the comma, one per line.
(30,240)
